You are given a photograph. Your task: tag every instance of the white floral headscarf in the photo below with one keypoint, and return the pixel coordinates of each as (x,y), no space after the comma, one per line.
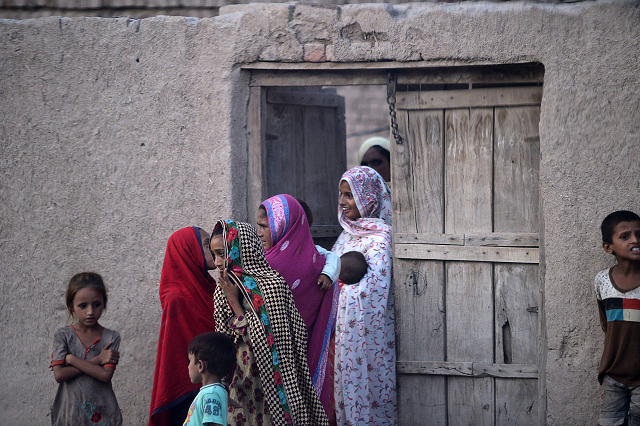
(373,199)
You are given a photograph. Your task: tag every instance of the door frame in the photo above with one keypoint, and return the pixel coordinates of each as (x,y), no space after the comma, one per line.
(430,74)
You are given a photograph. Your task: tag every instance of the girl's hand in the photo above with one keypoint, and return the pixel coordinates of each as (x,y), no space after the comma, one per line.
(230,290)
(108,356)
(69,359)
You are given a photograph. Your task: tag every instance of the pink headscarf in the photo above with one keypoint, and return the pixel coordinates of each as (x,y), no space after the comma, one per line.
(295,257)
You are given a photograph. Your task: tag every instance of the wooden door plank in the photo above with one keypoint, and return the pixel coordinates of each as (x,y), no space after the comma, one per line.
(516,207)
(468,369)
(469,318)
(417,205)
(516,402)
(522,371)
(513,73)
(303,98)
(467,253)
(468,170)
(516,165)
(469,298)
(256,170)
(404,212)
(469,312)
(283,139)
(320,178)
(427,169)
(317,78)
(419,285)
(497,239)
(439,239)
(420,312)
(503,239)
(421,400)
(471,401)
(436,368)
(516,291)
(477,98)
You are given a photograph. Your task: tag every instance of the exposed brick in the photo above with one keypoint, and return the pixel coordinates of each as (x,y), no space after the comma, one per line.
(314,52)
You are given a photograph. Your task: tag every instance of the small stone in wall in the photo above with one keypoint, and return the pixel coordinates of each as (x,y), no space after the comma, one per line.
(314,52)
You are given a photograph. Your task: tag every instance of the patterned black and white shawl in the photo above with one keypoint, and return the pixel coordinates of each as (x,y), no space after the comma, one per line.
(278,333)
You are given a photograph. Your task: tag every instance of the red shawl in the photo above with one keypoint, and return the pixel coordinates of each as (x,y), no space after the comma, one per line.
(186,295)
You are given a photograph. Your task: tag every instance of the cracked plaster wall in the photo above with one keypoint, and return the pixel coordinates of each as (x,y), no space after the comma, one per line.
(115,133)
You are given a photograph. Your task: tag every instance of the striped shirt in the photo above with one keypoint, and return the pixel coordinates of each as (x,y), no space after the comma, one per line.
(620,321)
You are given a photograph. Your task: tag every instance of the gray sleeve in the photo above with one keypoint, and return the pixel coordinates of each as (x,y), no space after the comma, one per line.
(60,346)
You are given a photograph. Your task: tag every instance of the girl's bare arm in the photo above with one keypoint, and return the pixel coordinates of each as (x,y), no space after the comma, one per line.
(87,367)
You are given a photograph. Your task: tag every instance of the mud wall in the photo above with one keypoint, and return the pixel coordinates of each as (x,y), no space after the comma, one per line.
(114,133)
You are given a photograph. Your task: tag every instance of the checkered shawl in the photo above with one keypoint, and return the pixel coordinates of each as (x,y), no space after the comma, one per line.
(287,327)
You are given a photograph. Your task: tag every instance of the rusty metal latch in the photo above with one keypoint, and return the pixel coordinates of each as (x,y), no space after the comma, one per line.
(532,309)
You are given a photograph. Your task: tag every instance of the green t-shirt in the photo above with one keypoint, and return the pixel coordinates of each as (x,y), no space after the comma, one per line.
(209,407)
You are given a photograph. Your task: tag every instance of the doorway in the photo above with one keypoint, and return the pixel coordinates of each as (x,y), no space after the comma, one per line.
(466,235)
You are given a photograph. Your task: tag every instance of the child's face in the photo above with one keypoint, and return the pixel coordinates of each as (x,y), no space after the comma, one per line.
(625,242)
(217,248)
(347,202)
(195,369)
(264,231)
(88,305)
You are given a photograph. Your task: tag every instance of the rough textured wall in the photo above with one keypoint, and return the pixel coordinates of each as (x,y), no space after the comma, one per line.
(79,191)
(113,135)
(24,9)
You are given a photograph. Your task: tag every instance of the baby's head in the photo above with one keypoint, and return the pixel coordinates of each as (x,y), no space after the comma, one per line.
(353,267)
(214,352)
(307,211)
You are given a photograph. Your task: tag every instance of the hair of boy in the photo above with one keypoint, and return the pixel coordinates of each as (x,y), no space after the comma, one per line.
(614,219)
(307,211)
(84,280)
(355,267)
(216,350)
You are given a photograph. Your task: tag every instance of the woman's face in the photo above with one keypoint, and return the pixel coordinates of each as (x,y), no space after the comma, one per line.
(378,162)
(217,248)
(264,232)
(347,203)
(208,258)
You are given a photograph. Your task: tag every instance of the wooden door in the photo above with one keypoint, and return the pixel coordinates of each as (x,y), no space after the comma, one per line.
(466,220)
(303,150)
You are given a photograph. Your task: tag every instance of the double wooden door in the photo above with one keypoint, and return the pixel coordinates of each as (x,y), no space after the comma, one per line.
(466,223)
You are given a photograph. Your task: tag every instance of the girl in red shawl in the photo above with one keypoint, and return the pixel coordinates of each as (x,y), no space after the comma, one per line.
(284,230)
(186,295)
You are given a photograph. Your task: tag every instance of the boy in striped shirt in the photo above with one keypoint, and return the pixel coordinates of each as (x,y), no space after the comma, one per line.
(618,293)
